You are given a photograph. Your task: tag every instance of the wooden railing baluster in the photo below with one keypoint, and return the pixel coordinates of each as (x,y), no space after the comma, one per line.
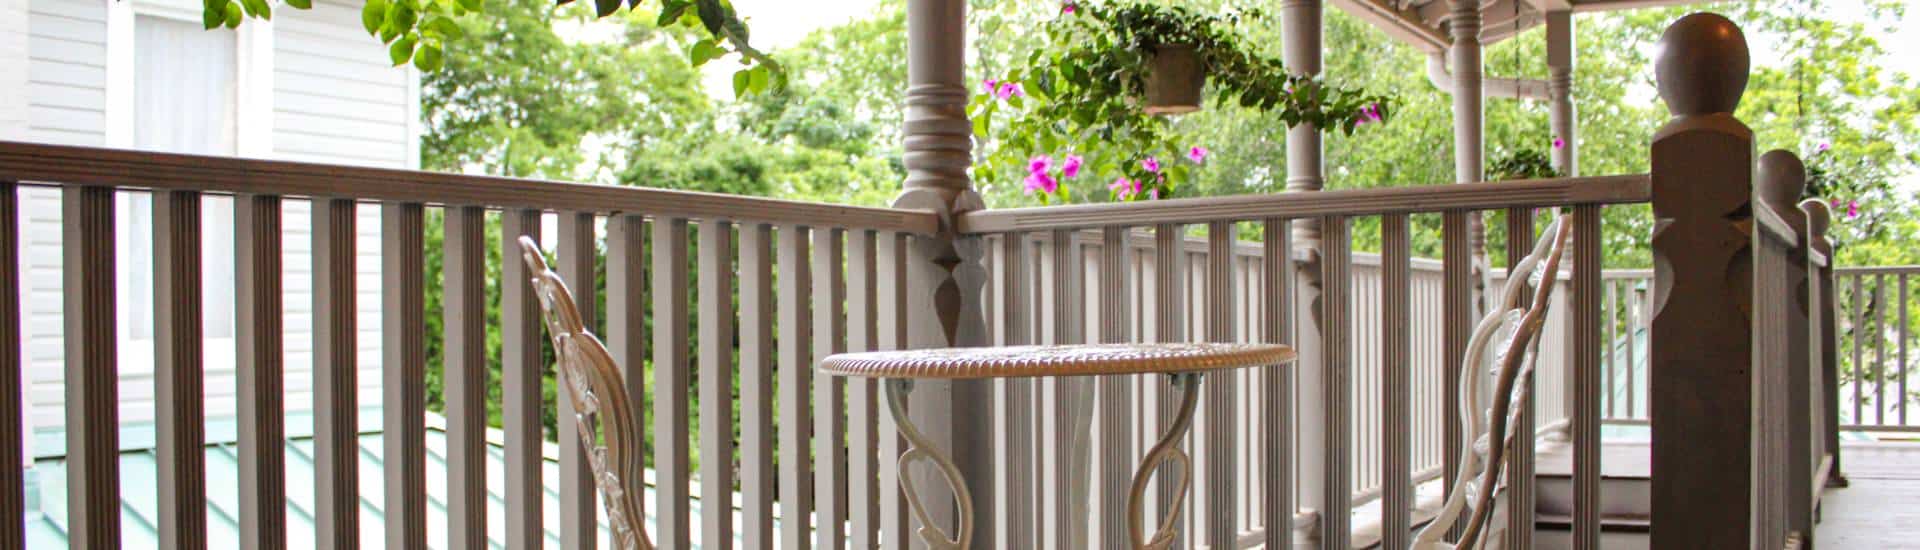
(1396,520)
(895,525)
(465,336)
(1457,318)
(403,368)
(626,315)
(575,252)
(1879,336)
(521,364)
(12,449)
(1115,393)
(259,368)
(1584,376)
(336,366)
(1857,329)
(1336,381)
(829,393)
(1170,262)
(92,368)
(1017,405)
(178,367)
(757,476)
(1278,384)
(1520,497)
(672,377)
(1219,485)
(863,412)
(796,376)
(717,383)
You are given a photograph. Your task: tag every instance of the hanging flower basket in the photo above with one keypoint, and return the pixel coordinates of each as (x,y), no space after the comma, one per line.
(1175,80)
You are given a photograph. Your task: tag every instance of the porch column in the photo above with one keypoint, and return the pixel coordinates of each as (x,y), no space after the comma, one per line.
(1301,29)
(1702,369)
(1560,54)
(1463,23)
(944,274)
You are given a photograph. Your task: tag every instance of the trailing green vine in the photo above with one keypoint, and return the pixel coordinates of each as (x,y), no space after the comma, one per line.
(1079,95)
(417,31)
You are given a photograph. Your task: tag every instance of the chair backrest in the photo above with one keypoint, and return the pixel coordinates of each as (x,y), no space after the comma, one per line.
(591,382)
(1502,345)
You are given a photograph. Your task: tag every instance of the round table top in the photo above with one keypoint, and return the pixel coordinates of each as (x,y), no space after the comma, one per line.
(1072,360)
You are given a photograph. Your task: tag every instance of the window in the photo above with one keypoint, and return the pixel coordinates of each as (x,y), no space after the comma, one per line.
(185,81)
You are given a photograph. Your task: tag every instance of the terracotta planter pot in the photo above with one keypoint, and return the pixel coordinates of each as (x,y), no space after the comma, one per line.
(1176,82)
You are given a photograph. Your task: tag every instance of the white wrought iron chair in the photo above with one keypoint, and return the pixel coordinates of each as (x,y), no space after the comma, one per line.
(592,383)
(1502,346)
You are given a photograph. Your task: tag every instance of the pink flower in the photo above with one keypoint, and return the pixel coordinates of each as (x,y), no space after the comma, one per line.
(991,85)
(1197,154)
(1853,209)
(1071,167)
(1150,164)
(1823,147)
(1068,7)
(1124,188)
(1039,164)
(1009,89)
(1558,143)
(1042,182)
(1154,193)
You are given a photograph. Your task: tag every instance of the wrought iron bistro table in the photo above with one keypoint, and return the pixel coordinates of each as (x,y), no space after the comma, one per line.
(1184,364)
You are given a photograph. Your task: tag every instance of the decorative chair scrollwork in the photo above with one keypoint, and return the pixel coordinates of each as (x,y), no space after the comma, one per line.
(1502,346)
(591,381)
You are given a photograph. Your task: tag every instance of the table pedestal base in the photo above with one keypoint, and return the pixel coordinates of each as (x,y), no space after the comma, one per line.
(921,449)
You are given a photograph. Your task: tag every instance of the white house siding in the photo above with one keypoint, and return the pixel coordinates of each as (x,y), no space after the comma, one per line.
(66,104)
(326,93)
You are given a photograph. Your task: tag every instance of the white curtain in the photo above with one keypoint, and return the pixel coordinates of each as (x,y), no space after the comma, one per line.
(184,97)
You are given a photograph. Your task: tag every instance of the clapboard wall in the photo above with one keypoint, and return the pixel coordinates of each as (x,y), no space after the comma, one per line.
(312,86)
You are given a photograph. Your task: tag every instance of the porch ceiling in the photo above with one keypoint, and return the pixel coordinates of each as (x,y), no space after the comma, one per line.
(1422,23)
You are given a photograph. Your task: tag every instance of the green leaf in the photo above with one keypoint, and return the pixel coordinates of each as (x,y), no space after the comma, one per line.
(758,79)
(670,12)
(213,14)
(445,28)
(402,49)
(400,19)
(373,16)
(257,8)
(712,15)
(742,80)
(470,5)
(301,4)
(234,15)
(603,8)
(429,58)
(704,51)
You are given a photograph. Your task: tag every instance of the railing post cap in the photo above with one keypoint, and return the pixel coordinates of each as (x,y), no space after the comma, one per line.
(1783,177)
(1701,65)
(1819,216)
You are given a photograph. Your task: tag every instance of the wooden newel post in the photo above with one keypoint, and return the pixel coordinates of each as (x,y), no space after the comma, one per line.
(944,274)
(1826,351)
(1702,367)
(1782,179)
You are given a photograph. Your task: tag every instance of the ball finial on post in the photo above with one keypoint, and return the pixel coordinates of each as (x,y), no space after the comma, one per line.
(1782,179)
(1701,65)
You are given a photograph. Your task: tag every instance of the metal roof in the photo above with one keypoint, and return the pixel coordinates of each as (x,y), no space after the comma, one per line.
(139,513)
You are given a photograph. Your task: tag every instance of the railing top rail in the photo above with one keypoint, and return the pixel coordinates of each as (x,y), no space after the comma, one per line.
(1879,270)
(1772,225)
(1635,188)
(63,164)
